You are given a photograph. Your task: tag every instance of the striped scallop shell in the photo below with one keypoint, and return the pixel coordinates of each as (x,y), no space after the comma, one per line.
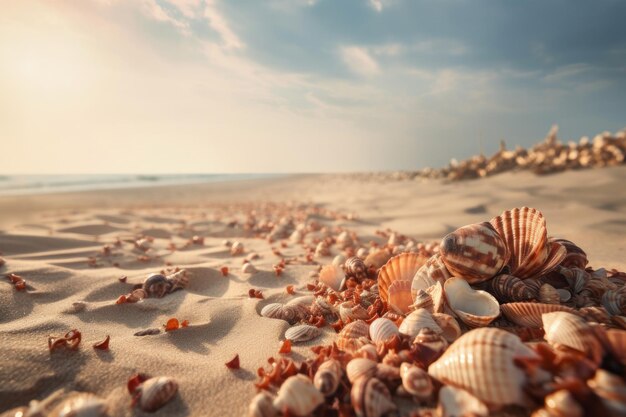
(281,312)
(156,392)
(526,238)
(416,381)
(612,391)
(617,344)
(371,398)
(348,311)
(575,257)
(360,367)
(382,329)
(476,308)
(399,268)
(298,396)
(449,326)
(549,295)
(418,320)
(528,314)
(333,277)
(399,298)
(475,252)
(573,332)
(328,376)
(491,374)
(353,336)
(455,402)
(507,288)
(78,405)
(302,333)
(429,274)
(614,302)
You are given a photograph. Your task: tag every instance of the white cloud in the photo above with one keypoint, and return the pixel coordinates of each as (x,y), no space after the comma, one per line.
(567,71)
(219,23)
(188,8)
(359,61)
(153,10)
(377,5)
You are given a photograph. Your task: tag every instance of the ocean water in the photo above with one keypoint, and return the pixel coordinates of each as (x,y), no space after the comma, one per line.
(42,184)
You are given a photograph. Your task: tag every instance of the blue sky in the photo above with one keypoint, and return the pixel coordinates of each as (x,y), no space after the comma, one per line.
(301,85)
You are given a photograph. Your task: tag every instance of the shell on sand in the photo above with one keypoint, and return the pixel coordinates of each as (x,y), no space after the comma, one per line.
(383,329)
(528,314)
(572,331)
(371,398)
(353,336)
(156,285)
(526,237)
(298,396)
(418,320)
(79,405)
(360,367)
(156,392)
(302,333)
(400,298)
(455,402)
(281,312)
(399,268)
(429,274)
(262,406)
(476,308)
(328,376)
(333,277)
(492,374)
(475,252)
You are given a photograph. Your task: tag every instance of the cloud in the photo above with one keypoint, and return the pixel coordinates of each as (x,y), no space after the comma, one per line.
(153,10)
(377,5)
(567,71)
(189,8)
(359,61)
(221,26)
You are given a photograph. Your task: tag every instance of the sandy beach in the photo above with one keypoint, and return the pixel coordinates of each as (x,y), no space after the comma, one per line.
(55,242)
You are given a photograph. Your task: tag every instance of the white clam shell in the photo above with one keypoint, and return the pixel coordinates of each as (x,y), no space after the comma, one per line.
(302,333)
(476,308)
(156,392)
(298,396)
(417,320)
(382,329)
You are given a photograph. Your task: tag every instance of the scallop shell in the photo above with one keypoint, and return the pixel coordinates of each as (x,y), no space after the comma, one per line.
(281,312)
(302,333)
(328,376)
(399,268)
(360,367)
(507,288)
(524,232)
(353,336)
(476,308)
(422,300)
(262,406)
(614,302)
(356,268)
(383,329)
(572,331)
(528,314)
(617,344)
(549,295)
(611,389)
(79,405)
(400,298)
(455,402)
(333,277)
(416,381)
(155,392)
(429,274)
(475,252)
(348,311)
(371,398)
(377,259)
(298,396)
(156,285)
(482,362)
(575,257)
(418,320)
(449,326)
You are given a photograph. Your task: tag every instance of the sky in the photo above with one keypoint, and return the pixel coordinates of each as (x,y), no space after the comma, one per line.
(180,86)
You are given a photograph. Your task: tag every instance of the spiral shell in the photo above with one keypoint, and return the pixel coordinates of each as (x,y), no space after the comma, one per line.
(422,300)
(298,396)
(526,238)
(573,332)
(382,329)
(356,268)
(360,367)
(611,389)
(333,277)
(281,312)
(371,398)
(455,402)
(575,257)
(156,392)
(353,336)
(302,333)
(416,381)
(400,296)
(178,280)
(156,285)
(475,252)
(348,311)
(507,288)
(399,268)
(327,377)
(262,406)
(78,405)
(475,308)
(528,314)
(417,320)
(432,272)
(428,346)
(492,374)
(449,326)
(549,295)
(614,302)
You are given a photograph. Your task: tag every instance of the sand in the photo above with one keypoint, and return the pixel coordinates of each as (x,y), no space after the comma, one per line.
(48,239)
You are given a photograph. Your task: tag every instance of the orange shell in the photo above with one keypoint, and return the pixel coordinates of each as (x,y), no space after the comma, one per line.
(399,268)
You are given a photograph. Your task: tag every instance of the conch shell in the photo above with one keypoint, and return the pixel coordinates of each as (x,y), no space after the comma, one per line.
(476,308)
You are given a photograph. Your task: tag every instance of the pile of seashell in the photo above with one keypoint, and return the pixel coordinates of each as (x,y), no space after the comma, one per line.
(500,318)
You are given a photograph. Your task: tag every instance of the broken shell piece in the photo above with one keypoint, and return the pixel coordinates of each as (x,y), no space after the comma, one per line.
(476,308)
(298,396)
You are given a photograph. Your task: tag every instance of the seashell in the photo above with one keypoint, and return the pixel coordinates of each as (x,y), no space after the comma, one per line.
(178,280)
(429,274)
(476,308)
(528,314)
(248,268)
(389,374)
(400,296)
(360,367)
(437,295)
(339,260)
(508,288)
(428,346)
(320,306)
(483,362)
(281,312)
(362,253)
(377,259)
(422,300)
(262,406)
(353,336)
(356,268)
(619,321)
(328,376)
(371,398)
(449,326)
(399,268)
(77,307)
(79,405)
(350,312)
(611,389)
(475,252)
(455,402)
(344,239)
(298,396)
(302,333)
(575,257)
(368,352)
(614,302)
(418,320)
(236,248)
(382,329)
(562,403)
(156,285)
(564,295)
(333,277)
(616,341)
(155,392)
(595,314)
(525,235)
(571,331)
(548,294)
(576,278)
(297,236)
(416,381)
